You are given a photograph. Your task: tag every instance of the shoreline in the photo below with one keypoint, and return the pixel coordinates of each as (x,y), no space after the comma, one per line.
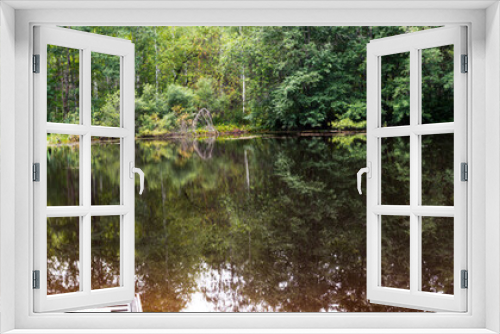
(253,134)
(228,135)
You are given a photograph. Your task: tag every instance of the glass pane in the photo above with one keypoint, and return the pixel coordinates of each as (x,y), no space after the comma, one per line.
(437,254)
(437,169)
(395,158)
(105,89)
(105,171)
(63,170)
(63,85)
(437,84)
(395,85)
(105,252)
(395,252)
(63,255)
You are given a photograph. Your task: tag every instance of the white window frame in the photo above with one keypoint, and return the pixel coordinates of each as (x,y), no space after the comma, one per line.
(413,44)
(86,44)
(483,314)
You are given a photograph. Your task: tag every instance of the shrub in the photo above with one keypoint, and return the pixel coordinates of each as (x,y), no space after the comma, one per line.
(180,97)
(109,113)
(347,124)
(205,96)
(151,103)
(154,124)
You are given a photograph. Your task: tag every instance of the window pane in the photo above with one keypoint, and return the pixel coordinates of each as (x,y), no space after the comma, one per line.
(63,255)
(395,158)
(63,170)
(63,85)
(395,85)
(437,84)
(437,254)
(105,89)
(395,252)
(437,169)
(105,252)
(105,171)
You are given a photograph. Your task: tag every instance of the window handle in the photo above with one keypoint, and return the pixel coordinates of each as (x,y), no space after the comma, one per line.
(134,170)
(368,171)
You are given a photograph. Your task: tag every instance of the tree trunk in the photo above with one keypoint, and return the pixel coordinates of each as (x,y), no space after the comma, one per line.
(64,96)
(242,73)
(156,63)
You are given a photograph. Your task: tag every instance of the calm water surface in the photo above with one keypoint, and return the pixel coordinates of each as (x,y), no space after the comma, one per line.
(252,225)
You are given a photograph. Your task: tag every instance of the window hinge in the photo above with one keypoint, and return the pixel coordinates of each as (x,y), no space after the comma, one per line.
(464,171)
(465,63)
(36,172)
(36,63)
(36,279)
(464,279)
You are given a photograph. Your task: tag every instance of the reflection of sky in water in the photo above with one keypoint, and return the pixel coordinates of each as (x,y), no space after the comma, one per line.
(212,283)
(68,282)
(60,272)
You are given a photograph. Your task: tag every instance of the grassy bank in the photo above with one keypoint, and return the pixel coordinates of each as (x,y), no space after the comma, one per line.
(226,130)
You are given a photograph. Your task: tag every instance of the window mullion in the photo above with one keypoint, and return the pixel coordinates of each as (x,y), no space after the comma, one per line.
(432,129)
(414,171)
(81,220)
(86,254)
(421,211)
(419,125)
(108,210)
(80,130)
(419,129)
(67,129)
(103,131)
(85,240)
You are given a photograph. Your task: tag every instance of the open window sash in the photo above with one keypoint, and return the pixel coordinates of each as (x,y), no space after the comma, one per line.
(414,297)
(83,294)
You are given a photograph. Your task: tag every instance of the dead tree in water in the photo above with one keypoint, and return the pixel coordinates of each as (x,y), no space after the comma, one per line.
(207,117)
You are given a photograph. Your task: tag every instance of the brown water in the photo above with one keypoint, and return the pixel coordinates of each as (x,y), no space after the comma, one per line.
(251,225)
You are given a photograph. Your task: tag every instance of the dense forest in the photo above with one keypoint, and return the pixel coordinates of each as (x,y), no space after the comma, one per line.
(253,78)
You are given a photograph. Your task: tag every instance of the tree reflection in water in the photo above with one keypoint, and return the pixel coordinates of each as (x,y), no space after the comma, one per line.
(255,225)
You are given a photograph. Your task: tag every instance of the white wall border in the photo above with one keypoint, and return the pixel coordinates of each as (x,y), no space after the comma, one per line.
(7,165)
(492,163)
(364,321)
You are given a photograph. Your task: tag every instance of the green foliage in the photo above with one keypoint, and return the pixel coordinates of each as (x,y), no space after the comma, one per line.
(154,117)
(348,124)
(292,108)
(56,139)
(63,85)
(205,94)
(437,84)
(270,78)
(150,102)
(180,99)
(109,113)
(155,125)
(105,89)
(224,128)
(395,95)
(356,112)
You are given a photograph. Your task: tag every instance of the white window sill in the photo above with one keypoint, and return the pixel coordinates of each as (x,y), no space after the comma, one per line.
(250,331)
